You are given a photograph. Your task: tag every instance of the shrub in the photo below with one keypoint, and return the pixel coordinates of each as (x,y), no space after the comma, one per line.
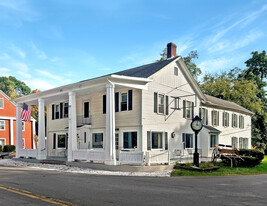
(9,148)
(251,153)
(249,161)
(1,149)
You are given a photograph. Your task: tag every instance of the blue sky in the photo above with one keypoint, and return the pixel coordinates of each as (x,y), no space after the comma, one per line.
(49,43)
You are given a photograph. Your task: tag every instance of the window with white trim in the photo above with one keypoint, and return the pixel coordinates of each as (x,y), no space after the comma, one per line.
(213,140)
(225,119)
(243,143)
(23,126)
(157,140)
(241,122)
(188,109)
(215,117)
(234,142)
(1,103)
(203,114)
(2,125)
(57,111)
(188,141)
(61,141)
(161,103)
(66,110)
(124,98)
(86,109)
(234,120)
(129,140)
(97,140)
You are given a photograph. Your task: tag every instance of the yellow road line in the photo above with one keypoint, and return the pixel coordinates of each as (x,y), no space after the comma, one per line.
(35,196)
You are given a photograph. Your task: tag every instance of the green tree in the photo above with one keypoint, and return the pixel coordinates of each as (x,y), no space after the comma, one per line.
(191,65)
(257,64)
(13,87)
(163,55)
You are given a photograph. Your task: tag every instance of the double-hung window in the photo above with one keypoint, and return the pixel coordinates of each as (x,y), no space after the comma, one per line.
(234,142)
(203,114)
(157,140)
(124,98)
(97,140)
(129,140)
(2,124)
(213,140)
(57,111)
(241,122)
(1,103)
(234,120)
(61,141)
(188,109)
(66,110)
(188,141)
(86,110)
(161,104)
(225,119)
(215,117)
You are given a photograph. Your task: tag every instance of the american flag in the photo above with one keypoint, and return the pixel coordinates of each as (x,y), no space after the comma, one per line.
(26,113)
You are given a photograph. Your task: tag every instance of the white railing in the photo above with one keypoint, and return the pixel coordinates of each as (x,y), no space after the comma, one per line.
(81,120)
(157,157)
(129,157)
(89,155)
(28,153)
(57,152)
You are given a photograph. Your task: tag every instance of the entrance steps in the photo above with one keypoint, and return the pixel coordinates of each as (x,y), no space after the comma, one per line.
(54,162)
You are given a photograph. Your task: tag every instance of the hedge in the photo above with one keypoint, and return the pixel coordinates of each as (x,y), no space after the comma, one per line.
(1,149)
(9,148)
(249,161)
(251,153)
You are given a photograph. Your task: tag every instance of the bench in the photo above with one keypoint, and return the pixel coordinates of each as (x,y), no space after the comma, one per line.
(2,155)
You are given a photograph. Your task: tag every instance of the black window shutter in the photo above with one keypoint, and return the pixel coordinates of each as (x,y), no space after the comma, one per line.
(104,104)
(184,108)
(66,140)
(200,115)
(61,110)
(53,111)
(218,115)
(184,139)
(130,96)
(54,140)
(193,112)
(156,102)
(167,105)
(212,118)
(166,141)
(148,141)
(116,101)
(223,118)
(207,116)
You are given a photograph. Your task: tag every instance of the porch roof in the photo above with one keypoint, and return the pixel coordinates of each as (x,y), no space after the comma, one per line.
(84,87)
(211,129)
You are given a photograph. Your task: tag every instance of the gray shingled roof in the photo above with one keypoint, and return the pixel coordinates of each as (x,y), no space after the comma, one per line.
(216,102)
(211,129)
(147,70)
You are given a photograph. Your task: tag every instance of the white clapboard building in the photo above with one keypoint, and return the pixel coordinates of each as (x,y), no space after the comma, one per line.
(137,116)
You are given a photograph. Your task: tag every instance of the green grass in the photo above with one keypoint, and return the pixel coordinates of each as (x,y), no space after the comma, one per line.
(225,170)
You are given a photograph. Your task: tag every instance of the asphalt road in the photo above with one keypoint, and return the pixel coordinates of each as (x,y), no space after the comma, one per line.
(20,186)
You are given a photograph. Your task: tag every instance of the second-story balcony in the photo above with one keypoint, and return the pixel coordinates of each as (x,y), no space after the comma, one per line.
(81,120)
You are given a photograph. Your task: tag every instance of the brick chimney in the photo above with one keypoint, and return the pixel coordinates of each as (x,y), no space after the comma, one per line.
(171,50)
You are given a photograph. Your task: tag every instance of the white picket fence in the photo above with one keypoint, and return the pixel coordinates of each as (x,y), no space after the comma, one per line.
(157,157)
(89,155)
(28,153)
(130,157)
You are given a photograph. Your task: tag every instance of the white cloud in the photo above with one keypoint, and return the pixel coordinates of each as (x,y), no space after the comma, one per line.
(217,64)
(39,84)
(41,54)
(49,75)
(18,51)
(22,69)
(23,74)
(4,71)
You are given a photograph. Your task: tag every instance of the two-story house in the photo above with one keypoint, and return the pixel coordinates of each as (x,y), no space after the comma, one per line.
(140,115)
(8,124)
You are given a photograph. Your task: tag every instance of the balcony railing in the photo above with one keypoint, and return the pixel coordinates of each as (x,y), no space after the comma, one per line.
(81,120)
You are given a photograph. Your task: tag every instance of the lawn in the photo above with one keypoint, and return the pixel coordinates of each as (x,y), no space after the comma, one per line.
(225,170)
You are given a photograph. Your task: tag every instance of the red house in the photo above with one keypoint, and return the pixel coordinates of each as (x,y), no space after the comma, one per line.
(8,124)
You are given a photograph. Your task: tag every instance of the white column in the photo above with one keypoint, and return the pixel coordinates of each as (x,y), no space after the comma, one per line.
(33,133)
(11,132)
(72,136)
(18,131)
(110,152)
(41,148)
